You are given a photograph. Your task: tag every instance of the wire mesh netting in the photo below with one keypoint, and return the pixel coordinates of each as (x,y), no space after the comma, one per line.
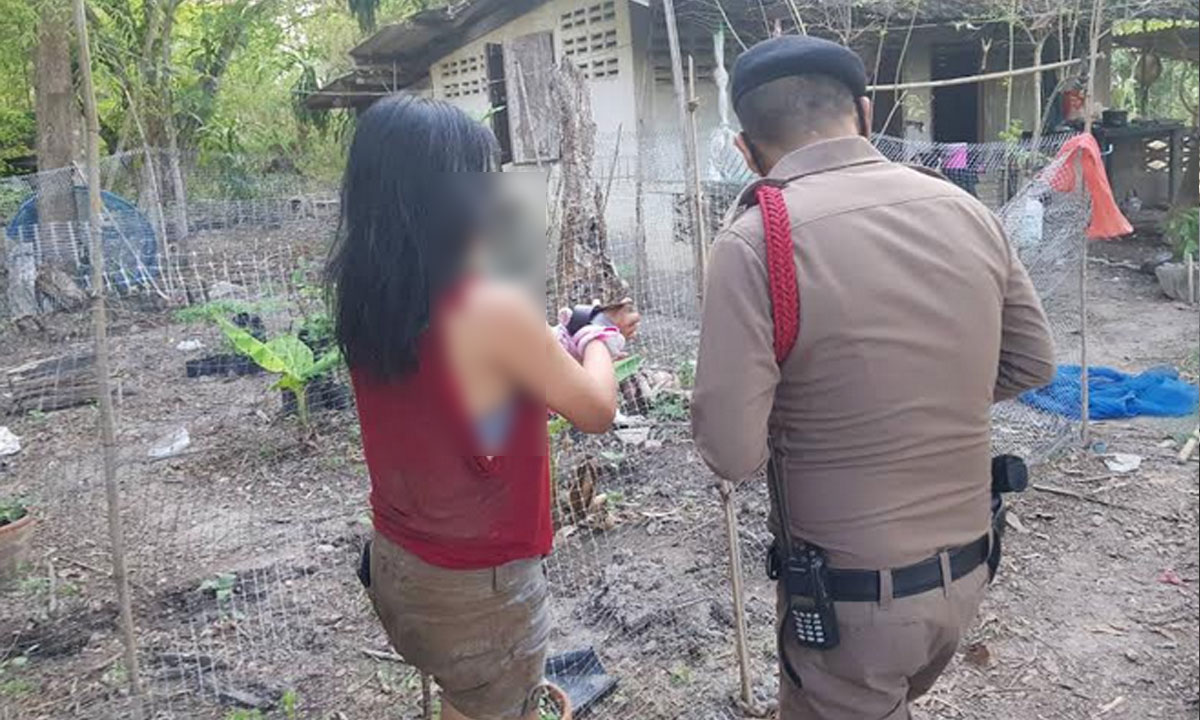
(245,507)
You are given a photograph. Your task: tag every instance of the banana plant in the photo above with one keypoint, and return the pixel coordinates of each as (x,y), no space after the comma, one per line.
(558,425)
(285,356)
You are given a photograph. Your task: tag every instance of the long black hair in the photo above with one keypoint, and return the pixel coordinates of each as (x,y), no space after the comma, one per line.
(410,208)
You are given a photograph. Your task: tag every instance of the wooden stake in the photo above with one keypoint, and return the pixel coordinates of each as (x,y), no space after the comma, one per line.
(689,156)
(1084,400)
(103,393)
(739,602)
(1191,278)
(426,697)
(700,239)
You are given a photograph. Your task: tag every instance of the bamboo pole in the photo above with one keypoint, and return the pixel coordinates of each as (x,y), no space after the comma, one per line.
(103,392)
(1084,394)
(985,77)
(689,149)
(701,239)
(739,598)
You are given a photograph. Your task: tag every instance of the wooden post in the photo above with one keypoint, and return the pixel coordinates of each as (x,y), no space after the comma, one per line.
(700,239)
(739,598)
(1191,277)
(1085,432)
(103,391)
(689,150)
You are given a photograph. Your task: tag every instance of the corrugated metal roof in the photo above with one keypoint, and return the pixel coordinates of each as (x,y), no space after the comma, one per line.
(430,34)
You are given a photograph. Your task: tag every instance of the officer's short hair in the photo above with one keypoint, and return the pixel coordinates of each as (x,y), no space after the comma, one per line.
(779,111)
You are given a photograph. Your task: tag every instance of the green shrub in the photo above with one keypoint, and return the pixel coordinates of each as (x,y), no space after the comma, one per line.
(12,510)
(1183,232)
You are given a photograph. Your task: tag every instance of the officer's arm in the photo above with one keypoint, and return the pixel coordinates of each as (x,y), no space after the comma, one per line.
(1026,349)
(736,373)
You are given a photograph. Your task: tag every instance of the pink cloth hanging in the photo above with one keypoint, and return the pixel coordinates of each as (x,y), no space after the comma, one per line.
(957,157)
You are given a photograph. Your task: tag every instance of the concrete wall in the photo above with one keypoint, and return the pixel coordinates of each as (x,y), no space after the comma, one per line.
(918,103)
(594,34)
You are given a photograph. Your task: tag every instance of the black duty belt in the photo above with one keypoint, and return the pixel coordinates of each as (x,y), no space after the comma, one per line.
(863,585)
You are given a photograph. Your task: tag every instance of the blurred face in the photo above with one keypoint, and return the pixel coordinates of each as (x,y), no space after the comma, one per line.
(513,240)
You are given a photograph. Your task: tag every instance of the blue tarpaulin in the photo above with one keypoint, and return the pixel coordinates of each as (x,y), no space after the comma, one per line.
(130,244)
(1113,394)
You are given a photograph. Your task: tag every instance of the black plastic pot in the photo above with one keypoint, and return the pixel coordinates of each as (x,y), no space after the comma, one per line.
(224,364)
(322,393)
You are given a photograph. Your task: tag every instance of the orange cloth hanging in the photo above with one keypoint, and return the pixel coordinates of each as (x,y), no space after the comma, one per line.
(1107,220)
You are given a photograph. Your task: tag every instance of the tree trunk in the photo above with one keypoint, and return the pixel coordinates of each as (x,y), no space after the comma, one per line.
(584,271)
(57,126)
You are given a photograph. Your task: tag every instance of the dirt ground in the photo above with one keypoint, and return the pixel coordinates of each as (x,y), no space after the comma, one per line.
(243,549)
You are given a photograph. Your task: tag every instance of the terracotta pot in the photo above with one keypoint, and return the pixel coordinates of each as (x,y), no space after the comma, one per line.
(15,540)
(560,700)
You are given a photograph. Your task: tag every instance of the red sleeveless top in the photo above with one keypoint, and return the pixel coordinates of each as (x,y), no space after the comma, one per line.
(433,492)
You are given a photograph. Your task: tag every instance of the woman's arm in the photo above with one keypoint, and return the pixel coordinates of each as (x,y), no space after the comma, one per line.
(585,393)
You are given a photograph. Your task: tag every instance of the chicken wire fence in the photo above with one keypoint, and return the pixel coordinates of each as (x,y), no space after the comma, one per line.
(244,511)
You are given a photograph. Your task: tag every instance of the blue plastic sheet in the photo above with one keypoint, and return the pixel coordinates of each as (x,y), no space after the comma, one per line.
(1113,394)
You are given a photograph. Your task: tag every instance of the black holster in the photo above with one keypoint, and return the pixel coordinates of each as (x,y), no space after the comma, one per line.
(1009,475)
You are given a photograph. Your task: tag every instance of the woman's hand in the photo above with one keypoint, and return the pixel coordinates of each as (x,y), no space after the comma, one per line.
(625,317)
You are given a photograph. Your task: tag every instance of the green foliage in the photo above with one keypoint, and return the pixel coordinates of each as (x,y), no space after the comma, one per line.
(487,115)
(207,311)
(16,136)
(242,714)
(1174,96)
(12,510)
(285,356)
(13,684)
(1191,364)
(627,367)
(1012,133)
(18,21)
(547,709)
(1183,230)
(681,675)
(221,587)
(116,675)
(687,374)
(288,703)
(669,407)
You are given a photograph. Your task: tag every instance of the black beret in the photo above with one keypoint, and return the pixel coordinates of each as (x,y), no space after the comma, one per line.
(788,55)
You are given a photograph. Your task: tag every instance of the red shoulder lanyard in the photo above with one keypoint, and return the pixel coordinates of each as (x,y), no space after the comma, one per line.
(781,269)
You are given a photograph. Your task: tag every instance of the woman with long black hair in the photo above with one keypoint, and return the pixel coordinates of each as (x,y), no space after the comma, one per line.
(453,374)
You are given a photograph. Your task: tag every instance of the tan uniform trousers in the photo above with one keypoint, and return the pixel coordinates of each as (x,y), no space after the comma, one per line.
(891,652)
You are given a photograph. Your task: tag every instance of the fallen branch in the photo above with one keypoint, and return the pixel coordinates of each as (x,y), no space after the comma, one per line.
(382,655)
(1097,501)
(85,566)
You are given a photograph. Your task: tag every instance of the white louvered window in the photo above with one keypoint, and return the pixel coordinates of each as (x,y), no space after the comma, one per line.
(589,39)
(462,77)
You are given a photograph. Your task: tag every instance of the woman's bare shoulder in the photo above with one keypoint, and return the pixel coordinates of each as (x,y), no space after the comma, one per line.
(502,305)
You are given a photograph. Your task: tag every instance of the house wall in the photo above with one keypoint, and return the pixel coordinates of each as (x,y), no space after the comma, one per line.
(594,34)
(918,103)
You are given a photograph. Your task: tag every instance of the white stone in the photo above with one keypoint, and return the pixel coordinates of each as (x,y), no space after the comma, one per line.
(170,444)
(10,444)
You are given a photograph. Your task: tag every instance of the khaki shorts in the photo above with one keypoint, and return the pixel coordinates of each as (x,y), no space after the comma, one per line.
(890,653)
(481,634)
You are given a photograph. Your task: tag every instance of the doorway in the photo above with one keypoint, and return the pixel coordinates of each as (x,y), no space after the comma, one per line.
(956,107)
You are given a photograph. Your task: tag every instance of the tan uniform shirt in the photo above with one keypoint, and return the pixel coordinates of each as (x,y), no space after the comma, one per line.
(915,316)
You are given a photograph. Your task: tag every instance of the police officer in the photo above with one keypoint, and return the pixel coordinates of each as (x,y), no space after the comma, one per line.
(865,388)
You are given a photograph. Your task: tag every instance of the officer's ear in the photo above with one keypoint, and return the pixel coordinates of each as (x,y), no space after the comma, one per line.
(866,115)
(746,148)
